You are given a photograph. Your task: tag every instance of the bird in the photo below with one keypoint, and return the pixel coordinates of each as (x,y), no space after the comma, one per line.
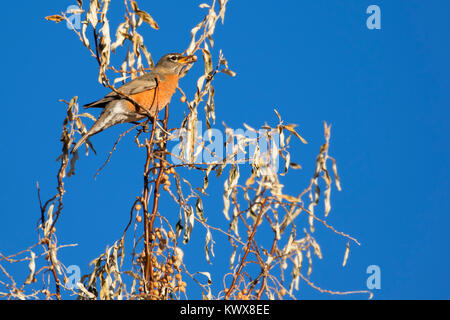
(152,91)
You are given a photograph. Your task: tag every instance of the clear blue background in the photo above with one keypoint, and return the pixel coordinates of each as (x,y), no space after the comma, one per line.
(385,92)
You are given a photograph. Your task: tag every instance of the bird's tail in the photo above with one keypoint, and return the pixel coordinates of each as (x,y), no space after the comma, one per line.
(96,128)
(81,141)
(114,113)
(106,119)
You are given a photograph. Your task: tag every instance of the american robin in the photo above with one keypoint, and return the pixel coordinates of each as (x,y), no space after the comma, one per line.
(152,91)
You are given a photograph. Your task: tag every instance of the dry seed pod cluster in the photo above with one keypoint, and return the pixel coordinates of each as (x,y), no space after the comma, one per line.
(167,273)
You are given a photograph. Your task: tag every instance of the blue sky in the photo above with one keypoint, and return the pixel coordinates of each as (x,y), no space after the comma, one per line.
(385,92)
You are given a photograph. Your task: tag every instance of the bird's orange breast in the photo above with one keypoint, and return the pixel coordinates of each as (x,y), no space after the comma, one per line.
(155,99)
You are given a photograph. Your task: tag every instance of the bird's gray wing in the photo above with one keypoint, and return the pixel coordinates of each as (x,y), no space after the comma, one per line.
(138,85)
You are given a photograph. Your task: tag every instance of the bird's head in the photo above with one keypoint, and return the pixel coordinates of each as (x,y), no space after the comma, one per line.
(174,63)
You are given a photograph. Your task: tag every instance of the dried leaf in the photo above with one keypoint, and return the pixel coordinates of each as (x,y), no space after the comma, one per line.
(295,165)
(347,251)
(228,72)
(289,198)
(81,287)
(84,38)
(49,221)
(308,255)
(290,128)
(229,185)
(250,180)
(188,223)
(121,35)
(316,248)
(205,179)
(209,245)
(249,128)
(134,5)
(147,18)
(311,218)
(336,177)
(327,201)
(147,55)
(91,15)
(87,115)
(56,17)
(73,160)
(32,267)
(278,115)
(199,209)
(208,61)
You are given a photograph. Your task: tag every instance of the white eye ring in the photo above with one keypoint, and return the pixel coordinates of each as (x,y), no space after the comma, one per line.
(174,58)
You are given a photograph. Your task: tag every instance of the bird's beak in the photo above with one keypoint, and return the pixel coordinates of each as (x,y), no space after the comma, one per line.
(187,59)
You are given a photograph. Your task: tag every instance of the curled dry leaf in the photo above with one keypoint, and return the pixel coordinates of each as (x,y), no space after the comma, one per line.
(290,128)
(121,35)
(148,19)
(84,38)
(56,17)
(145,16)
(295,165)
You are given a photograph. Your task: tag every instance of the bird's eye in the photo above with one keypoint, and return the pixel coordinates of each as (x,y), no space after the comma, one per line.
(174,58)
